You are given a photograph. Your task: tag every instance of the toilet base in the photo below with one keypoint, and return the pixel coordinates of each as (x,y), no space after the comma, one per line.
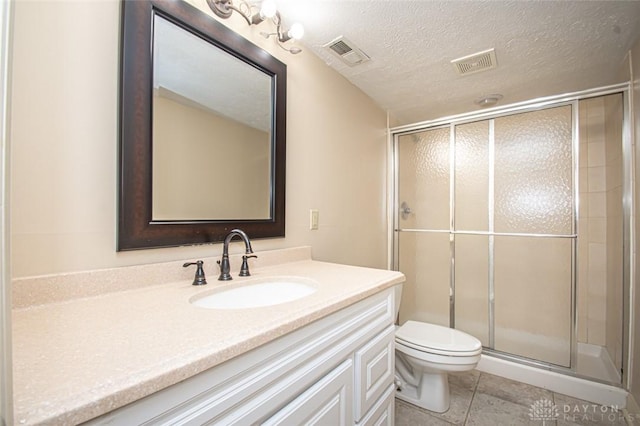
(431,393)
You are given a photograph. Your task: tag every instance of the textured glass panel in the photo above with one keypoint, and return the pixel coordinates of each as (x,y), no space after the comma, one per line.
(424,259)
(423,178)
(533,172)
(533,297)
(472,286)
(472,176)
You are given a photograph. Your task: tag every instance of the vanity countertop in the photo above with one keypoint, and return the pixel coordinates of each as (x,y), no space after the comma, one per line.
(76,359)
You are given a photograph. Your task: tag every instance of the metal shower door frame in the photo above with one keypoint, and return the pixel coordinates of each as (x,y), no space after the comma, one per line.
(491,115)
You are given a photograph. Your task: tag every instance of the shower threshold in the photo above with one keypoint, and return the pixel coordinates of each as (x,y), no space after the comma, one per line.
(577,387)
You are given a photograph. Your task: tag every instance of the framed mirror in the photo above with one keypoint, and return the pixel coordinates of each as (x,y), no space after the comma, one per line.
(202,130)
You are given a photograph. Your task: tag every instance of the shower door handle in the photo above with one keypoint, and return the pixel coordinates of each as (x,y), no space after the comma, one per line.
(405,210)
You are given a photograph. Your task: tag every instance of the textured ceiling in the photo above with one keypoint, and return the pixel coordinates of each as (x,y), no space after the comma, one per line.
(543,48)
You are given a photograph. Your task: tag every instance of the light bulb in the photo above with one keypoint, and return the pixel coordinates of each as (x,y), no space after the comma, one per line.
(268,9)
(296,31)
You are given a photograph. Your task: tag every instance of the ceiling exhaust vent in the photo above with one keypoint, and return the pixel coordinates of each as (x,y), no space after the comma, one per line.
(481,61)
(347,51)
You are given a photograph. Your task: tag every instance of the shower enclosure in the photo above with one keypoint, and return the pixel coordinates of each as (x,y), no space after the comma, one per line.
(510,226)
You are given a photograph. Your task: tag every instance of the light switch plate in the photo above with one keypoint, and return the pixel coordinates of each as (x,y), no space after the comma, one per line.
(314,217)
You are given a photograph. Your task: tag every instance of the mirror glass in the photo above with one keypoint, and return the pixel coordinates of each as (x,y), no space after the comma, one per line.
(212,116)
(202,130)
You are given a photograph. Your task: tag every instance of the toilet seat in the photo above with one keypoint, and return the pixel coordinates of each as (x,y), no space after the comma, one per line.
(437,339)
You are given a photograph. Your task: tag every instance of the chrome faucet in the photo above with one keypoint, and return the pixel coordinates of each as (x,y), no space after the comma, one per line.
(225,267)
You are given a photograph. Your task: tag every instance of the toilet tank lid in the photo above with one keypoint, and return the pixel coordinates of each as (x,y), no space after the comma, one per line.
(437,337)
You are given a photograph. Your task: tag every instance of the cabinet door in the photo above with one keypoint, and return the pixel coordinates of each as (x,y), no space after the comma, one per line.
(374,370)
(328,402)
(383,411)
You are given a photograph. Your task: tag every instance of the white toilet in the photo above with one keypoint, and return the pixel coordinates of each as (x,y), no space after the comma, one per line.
(424,354)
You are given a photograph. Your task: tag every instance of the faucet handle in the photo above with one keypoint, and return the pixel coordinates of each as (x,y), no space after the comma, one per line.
(244,268)
(199,279)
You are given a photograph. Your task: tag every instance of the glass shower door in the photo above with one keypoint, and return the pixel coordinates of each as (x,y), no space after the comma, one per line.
(534,227)
(423,248)
(486,231)
(472,219)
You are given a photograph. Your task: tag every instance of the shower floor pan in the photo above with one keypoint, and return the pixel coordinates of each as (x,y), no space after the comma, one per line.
(594,361)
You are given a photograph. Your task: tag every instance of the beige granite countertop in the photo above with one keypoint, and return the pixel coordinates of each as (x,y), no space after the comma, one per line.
(77,358)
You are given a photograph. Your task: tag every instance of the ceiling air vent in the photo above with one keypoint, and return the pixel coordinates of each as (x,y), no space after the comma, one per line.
(481,61)
(347,51)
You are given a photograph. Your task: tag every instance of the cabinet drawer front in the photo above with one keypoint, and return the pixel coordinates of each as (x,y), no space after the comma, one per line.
(328,402)
(374,370)
(383,411)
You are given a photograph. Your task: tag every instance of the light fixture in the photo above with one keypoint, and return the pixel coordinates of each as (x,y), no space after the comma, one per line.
(488,100)
(267,11)
(295,32)
(293,50)
(254,15)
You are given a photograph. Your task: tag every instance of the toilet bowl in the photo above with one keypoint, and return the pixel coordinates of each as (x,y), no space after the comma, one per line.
(425,353)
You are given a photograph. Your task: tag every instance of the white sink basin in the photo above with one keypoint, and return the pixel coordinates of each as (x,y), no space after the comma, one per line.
(254,294)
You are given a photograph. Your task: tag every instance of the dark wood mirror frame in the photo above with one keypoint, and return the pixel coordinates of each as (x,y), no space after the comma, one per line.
(136,229)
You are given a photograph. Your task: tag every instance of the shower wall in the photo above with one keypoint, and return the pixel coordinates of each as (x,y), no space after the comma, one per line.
(600,238)
(615,217)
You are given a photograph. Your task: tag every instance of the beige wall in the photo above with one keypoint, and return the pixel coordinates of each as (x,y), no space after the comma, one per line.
(635,118)
(64,143)
(6,373)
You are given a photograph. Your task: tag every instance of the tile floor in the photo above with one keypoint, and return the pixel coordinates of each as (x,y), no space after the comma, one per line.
(481,399)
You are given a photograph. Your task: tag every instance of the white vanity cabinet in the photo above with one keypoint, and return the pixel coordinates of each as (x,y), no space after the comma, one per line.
(328,402)
(337,370)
